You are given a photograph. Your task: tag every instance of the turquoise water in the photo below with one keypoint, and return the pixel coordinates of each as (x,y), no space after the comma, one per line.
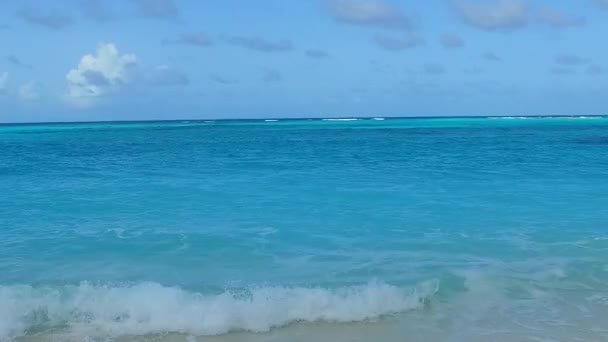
(460,229)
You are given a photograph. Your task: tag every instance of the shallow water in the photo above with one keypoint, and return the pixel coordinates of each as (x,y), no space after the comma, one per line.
(463,229)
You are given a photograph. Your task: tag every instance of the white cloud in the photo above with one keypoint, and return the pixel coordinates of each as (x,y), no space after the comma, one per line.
(434,69)
(272,75)
(157,9)
(317,53)
(96,10)
(199,39)
(557,19)
(260,44)
(451,41)
(491,56)
(3,81)
(54,18)
(570,60)
(602,3)
(29,92)
(494,14)
(595,69)
(377,13)
(99,74)
(397,43)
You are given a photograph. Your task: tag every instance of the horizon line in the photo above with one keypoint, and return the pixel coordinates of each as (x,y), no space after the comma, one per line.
(387,117)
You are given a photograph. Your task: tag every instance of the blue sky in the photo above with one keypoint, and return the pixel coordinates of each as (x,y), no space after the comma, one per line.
(176,59)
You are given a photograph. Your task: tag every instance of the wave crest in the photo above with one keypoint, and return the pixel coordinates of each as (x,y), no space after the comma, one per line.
(150,308)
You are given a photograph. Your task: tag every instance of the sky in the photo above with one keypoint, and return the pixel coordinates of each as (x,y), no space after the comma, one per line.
(91,60)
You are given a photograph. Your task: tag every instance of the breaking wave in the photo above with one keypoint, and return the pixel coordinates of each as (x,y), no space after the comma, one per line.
(150,308)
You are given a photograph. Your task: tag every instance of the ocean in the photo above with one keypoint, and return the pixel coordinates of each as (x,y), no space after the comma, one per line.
(421,229)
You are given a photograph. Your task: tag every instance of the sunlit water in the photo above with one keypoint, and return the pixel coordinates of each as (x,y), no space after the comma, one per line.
(308,230)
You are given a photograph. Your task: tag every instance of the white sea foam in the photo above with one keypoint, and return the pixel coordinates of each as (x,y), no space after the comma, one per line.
(510,117)
(341,119)
(378,119)
(545,117)
(150,308)
(271,120)
(584,117)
